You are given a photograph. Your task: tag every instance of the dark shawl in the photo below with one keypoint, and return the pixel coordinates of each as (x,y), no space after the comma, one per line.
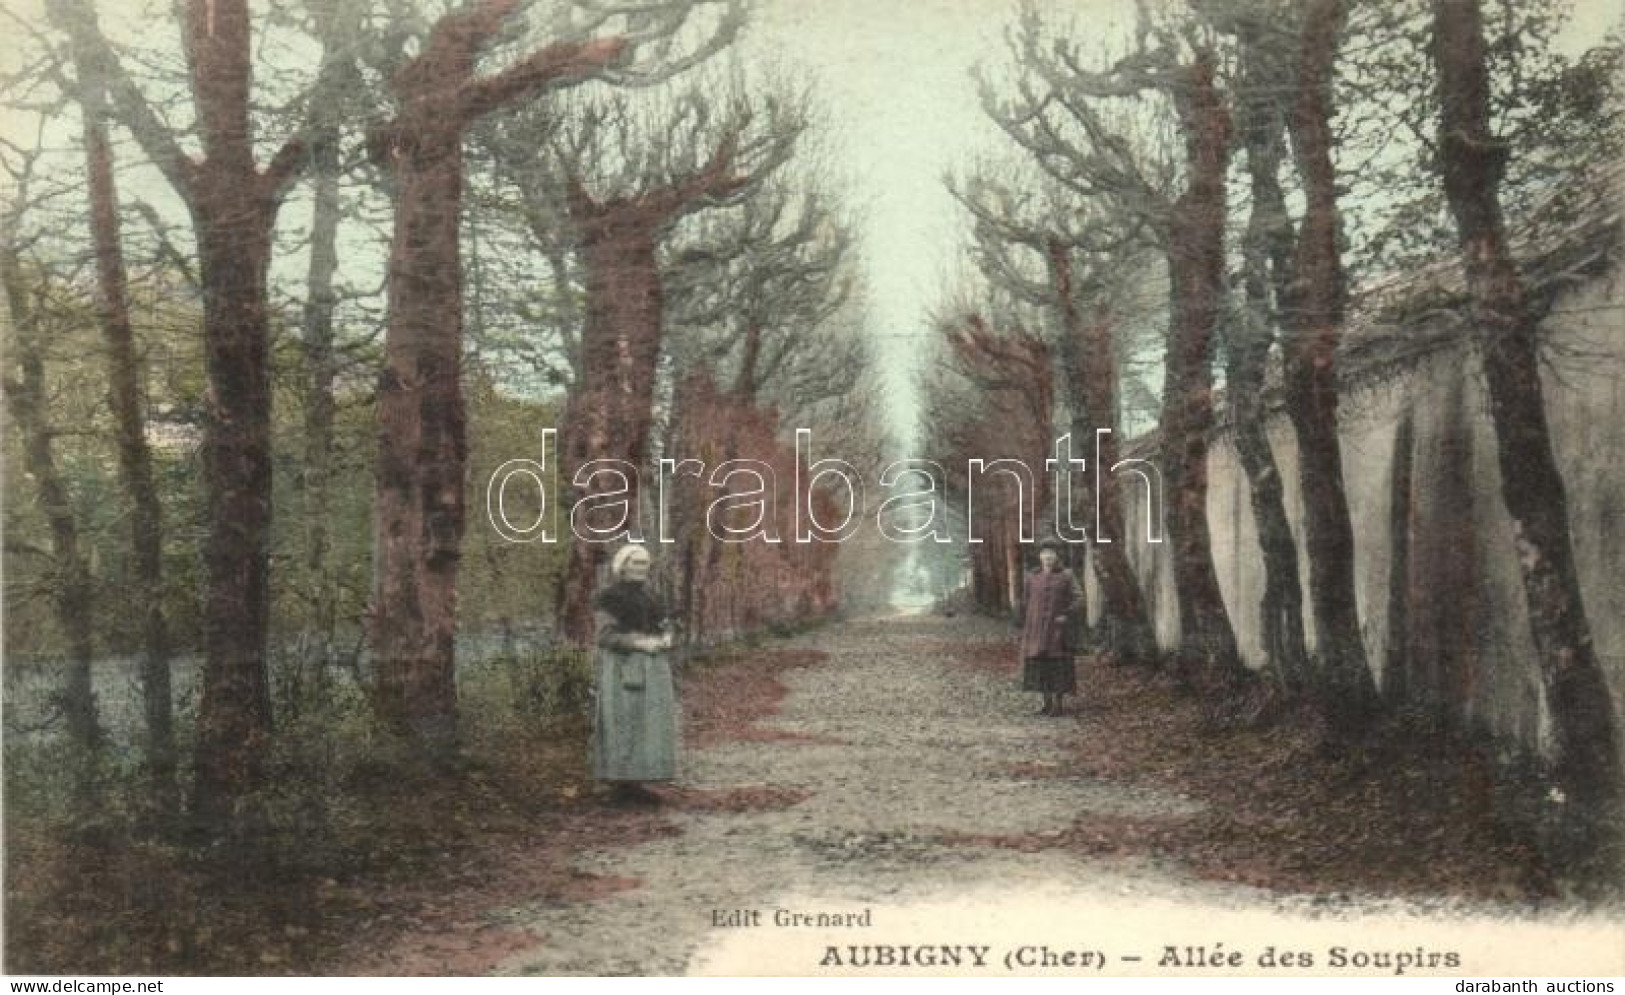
(1049,609)
(632,606)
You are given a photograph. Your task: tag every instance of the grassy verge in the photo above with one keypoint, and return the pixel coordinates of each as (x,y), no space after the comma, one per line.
(357,857)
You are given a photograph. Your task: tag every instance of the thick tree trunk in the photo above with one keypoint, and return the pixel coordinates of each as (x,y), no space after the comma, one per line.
(1588,760)
(1266,243)
(1087,361)
(1281,608)
(418,498)
(233,205)
(1314,321)
(998,562)
(422,449)
(233,219)
(610,412)
(1132,638)
(611,408)
(134,456)
(234,718)
(1196,287)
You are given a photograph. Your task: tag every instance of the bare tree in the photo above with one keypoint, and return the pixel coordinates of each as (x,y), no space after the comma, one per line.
(439,92)
(1314,310)
(233,202)
(550,301)
(1064,240)
(124,396)
(1263,78)
(1556,112)
(990,396)
(1196,279)
(759,280)
(1473,159)
(332,101)
(26,402)
(1055,113)
(624,189)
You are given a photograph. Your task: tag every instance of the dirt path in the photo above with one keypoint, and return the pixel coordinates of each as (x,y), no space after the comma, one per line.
(900,748)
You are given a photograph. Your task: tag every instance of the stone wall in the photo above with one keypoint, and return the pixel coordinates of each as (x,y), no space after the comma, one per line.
(1440,596)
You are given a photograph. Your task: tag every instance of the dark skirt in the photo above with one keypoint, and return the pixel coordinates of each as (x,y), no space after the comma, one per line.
(1050,674)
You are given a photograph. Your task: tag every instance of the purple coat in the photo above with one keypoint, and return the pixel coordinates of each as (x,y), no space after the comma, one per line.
(1049,611)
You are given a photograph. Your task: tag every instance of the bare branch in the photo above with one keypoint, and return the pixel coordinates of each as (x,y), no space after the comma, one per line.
(559,64)
(77,19)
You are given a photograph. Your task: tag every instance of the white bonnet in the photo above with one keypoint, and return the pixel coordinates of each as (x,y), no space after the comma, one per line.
(618,564)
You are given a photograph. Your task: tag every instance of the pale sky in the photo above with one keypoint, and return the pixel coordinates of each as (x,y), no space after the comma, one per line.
(894,75)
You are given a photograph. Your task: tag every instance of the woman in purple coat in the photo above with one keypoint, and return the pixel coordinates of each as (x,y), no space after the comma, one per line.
(1051,602)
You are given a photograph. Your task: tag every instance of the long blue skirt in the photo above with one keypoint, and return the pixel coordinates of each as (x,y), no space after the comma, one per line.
(635,721)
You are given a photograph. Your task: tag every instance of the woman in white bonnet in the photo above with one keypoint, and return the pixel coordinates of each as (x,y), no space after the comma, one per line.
(635,722)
